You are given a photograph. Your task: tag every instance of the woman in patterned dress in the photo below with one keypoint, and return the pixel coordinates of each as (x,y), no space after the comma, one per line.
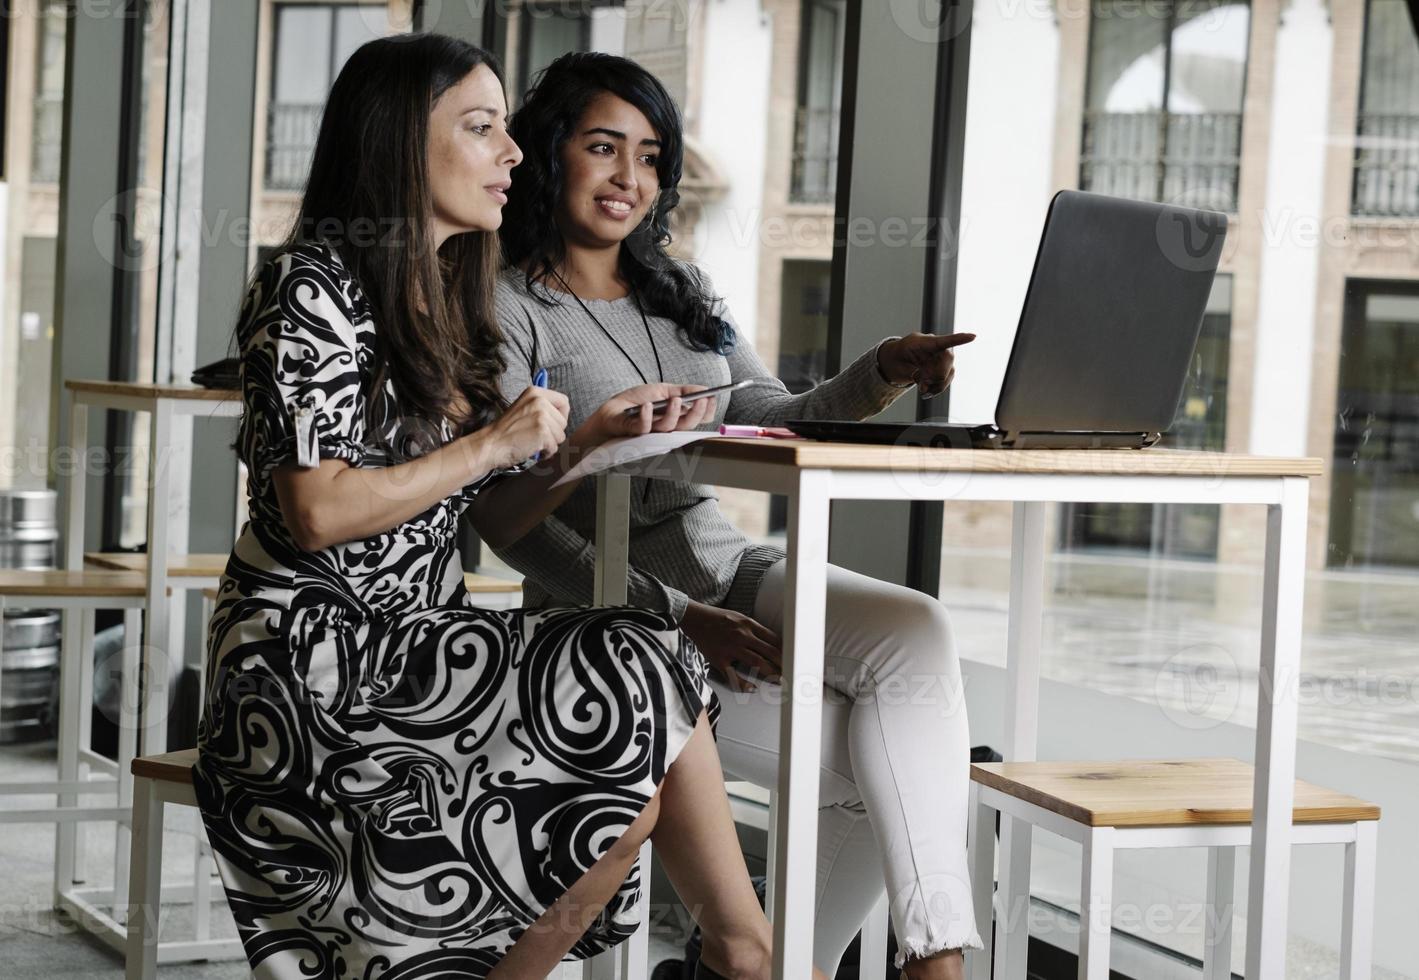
(398,785)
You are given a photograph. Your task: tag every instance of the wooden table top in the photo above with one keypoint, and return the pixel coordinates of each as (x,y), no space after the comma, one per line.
(88,582)
(135,389)
(1164,793)
(812,454)
(179,566)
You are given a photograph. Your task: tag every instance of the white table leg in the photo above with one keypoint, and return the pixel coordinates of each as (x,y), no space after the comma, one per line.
(613,530)
(1022,708)
(1217,926)
(1096,904)
(1357,927)
(630,960)
(159,648)
(1274,790)
(980,834)
(800,723)
(1022,664)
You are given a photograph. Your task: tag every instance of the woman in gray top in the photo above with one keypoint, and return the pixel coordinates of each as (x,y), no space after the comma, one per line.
(591,297)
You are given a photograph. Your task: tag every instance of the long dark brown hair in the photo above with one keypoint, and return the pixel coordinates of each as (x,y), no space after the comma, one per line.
(368,195)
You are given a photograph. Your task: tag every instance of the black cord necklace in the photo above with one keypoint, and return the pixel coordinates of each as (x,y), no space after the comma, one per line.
(660,371)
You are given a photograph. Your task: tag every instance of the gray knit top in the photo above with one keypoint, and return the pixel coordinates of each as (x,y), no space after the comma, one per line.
(681,546)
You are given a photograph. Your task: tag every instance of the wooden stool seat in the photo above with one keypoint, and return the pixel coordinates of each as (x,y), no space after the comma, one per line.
(1106,807)
(21,583)
(169,767)
(179,566)
(481,584)
(1161,793)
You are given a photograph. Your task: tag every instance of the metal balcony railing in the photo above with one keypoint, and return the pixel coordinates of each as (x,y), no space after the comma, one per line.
(1386,166)
(1187,158)
(291,129)
(815,156)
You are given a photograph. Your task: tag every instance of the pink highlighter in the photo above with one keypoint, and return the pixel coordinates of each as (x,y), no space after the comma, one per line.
(757,432)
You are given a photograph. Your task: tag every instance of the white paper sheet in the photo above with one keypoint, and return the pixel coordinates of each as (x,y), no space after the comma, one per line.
(615,452)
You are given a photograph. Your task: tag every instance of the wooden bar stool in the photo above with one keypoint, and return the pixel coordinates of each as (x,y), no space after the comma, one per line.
(79,594)
(1108,806)
(157,781)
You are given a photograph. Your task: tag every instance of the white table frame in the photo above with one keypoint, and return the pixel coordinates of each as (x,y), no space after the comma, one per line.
(162,409)
(810,490)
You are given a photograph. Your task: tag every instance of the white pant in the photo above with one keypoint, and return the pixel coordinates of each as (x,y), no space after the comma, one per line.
(895,764)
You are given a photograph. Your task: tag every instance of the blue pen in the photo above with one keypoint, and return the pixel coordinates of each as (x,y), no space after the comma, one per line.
(539,380)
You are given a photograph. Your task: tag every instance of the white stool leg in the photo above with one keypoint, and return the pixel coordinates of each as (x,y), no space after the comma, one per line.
(145,884)
(1358,915)
(1096,904)
(86,738)
(1217,924)
(1013,922)
(70,650)
(981,835)
(128,696)
(872,948)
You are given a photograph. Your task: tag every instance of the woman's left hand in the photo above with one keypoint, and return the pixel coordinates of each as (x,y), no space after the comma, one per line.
(610,421)
(924,359)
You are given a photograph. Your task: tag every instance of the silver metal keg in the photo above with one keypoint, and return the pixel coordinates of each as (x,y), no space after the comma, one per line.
(29,531)
(29,665)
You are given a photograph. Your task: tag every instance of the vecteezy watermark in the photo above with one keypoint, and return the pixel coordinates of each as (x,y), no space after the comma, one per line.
(128,230)
(1191,239)
(1199,687)
(35,460)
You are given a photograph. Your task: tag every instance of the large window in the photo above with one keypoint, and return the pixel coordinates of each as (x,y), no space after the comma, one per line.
(815,143)
(312,43)
(1163,118)
(1374,514)
(1387,141)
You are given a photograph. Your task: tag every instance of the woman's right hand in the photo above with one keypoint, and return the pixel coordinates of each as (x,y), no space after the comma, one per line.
(535,423)
(732,642)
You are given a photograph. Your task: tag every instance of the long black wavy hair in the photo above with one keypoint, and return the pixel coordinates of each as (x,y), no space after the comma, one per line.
(368,195)
(548,118)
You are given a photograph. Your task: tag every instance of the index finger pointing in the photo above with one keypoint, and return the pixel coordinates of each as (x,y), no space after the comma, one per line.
(954,339)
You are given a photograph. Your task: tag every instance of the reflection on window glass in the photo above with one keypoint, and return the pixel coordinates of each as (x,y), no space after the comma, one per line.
(312,44)
(1163,110)
(1174,530)
(1374,514)
(546,33)
(1387,143)
(815,158)
(49,95)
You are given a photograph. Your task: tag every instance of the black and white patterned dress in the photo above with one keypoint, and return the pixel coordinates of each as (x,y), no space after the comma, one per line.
(395,783)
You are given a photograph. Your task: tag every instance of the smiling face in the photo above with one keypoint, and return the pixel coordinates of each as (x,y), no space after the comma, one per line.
(610,180)
(471,156)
